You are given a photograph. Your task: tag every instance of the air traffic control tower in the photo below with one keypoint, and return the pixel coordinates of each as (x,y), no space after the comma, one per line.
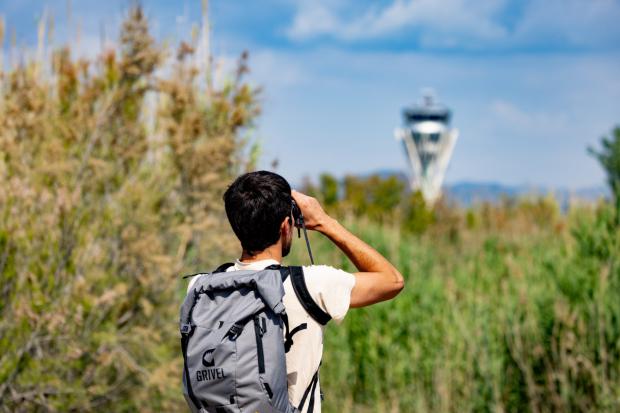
(428,141)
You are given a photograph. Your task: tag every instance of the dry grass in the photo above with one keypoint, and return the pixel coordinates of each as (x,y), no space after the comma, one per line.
(111,175)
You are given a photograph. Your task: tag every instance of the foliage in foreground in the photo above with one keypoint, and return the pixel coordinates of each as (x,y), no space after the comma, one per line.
(112,172)
(502,312)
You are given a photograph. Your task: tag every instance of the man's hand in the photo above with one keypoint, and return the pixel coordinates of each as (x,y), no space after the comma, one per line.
(378,280)
(314,216)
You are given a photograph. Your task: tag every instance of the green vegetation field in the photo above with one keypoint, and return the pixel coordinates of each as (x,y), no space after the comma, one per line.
(504,316)
(111,174)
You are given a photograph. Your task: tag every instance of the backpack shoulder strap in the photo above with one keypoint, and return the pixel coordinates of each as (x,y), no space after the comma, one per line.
(283,270)
(223,267)
(304,297)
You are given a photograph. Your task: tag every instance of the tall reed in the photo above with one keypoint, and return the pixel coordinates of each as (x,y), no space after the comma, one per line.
(111,173)
(511,315)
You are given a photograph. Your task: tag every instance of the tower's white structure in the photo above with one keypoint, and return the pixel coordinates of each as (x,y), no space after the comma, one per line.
(429,141)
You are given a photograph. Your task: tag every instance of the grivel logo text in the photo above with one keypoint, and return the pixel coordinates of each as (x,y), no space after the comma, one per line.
(212,373)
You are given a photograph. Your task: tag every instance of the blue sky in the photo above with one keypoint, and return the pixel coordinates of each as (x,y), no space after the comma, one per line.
(531,83)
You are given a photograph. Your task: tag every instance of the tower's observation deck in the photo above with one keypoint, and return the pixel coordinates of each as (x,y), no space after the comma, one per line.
(428,140)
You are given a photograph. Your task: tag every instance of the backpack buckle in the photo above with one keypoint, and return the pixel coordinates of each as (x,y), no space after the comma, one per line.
(235,331)
(186,329)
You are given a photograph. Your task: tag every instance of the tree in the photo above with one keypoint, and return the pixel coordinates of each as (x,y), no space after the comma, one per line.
(417,217)
(329,189)
(355,195)
(386,194)
(609,158)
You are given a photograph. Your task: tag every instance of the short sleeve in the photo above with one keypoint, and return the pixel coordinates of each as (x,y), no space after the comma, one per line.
(192,281)
(330,288)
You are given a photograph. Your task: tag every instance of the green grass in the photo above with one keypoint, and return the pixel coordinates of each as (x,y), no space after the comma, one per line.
(499,320)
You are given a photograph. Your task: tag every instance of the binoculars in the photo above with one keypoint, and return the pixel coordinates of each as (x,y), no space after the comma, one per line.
(298,217)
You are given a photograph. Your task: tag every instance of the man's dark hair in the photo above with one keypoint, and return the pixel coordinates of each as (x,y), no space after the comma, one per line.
(256,203)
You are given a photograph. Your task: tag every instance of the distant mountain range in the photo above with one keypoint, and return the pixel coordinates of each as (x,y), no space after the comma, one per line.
(469,193)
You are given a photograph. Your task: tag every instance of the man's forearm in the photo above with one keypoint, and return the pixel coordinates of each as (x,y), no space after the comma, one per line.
(377,279)
(363,256)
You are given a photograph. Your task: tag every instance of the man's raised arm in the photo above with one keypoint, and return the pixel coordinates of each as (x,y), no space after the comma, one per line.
(377,279)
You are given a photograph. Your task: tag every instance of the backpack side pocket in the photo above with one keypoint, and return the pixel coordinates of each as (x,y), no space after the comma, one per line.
(213,368)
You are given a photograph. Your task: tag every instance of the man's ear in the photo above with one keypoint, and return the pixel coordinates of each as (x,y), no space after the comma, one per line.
(284,226)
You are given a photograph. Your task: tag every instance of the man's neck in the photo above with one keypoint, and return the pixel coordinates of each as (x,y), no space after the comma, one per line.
(273,252)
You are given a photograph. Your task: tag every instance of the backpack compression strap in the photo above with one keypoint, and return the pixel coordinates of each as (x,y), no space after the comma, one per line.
(304,297)
(187,329)
(310,390)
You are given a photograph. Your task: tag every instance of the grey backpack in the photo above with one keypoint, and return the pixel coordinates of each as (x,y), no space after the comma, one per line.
(234,336)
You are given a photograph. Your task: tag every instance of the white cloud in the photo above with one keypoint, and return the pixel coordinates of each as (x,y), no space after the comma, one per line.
(313,20)
(466,23)
(538,123)
(446,17)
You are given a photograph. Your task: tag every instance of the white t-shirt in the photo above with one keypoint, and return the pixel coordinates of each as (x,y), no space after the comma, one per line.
(330,289)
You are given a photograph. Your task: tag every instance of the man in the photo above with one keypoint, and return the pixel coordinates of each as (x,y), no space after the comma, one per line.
(259,209)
